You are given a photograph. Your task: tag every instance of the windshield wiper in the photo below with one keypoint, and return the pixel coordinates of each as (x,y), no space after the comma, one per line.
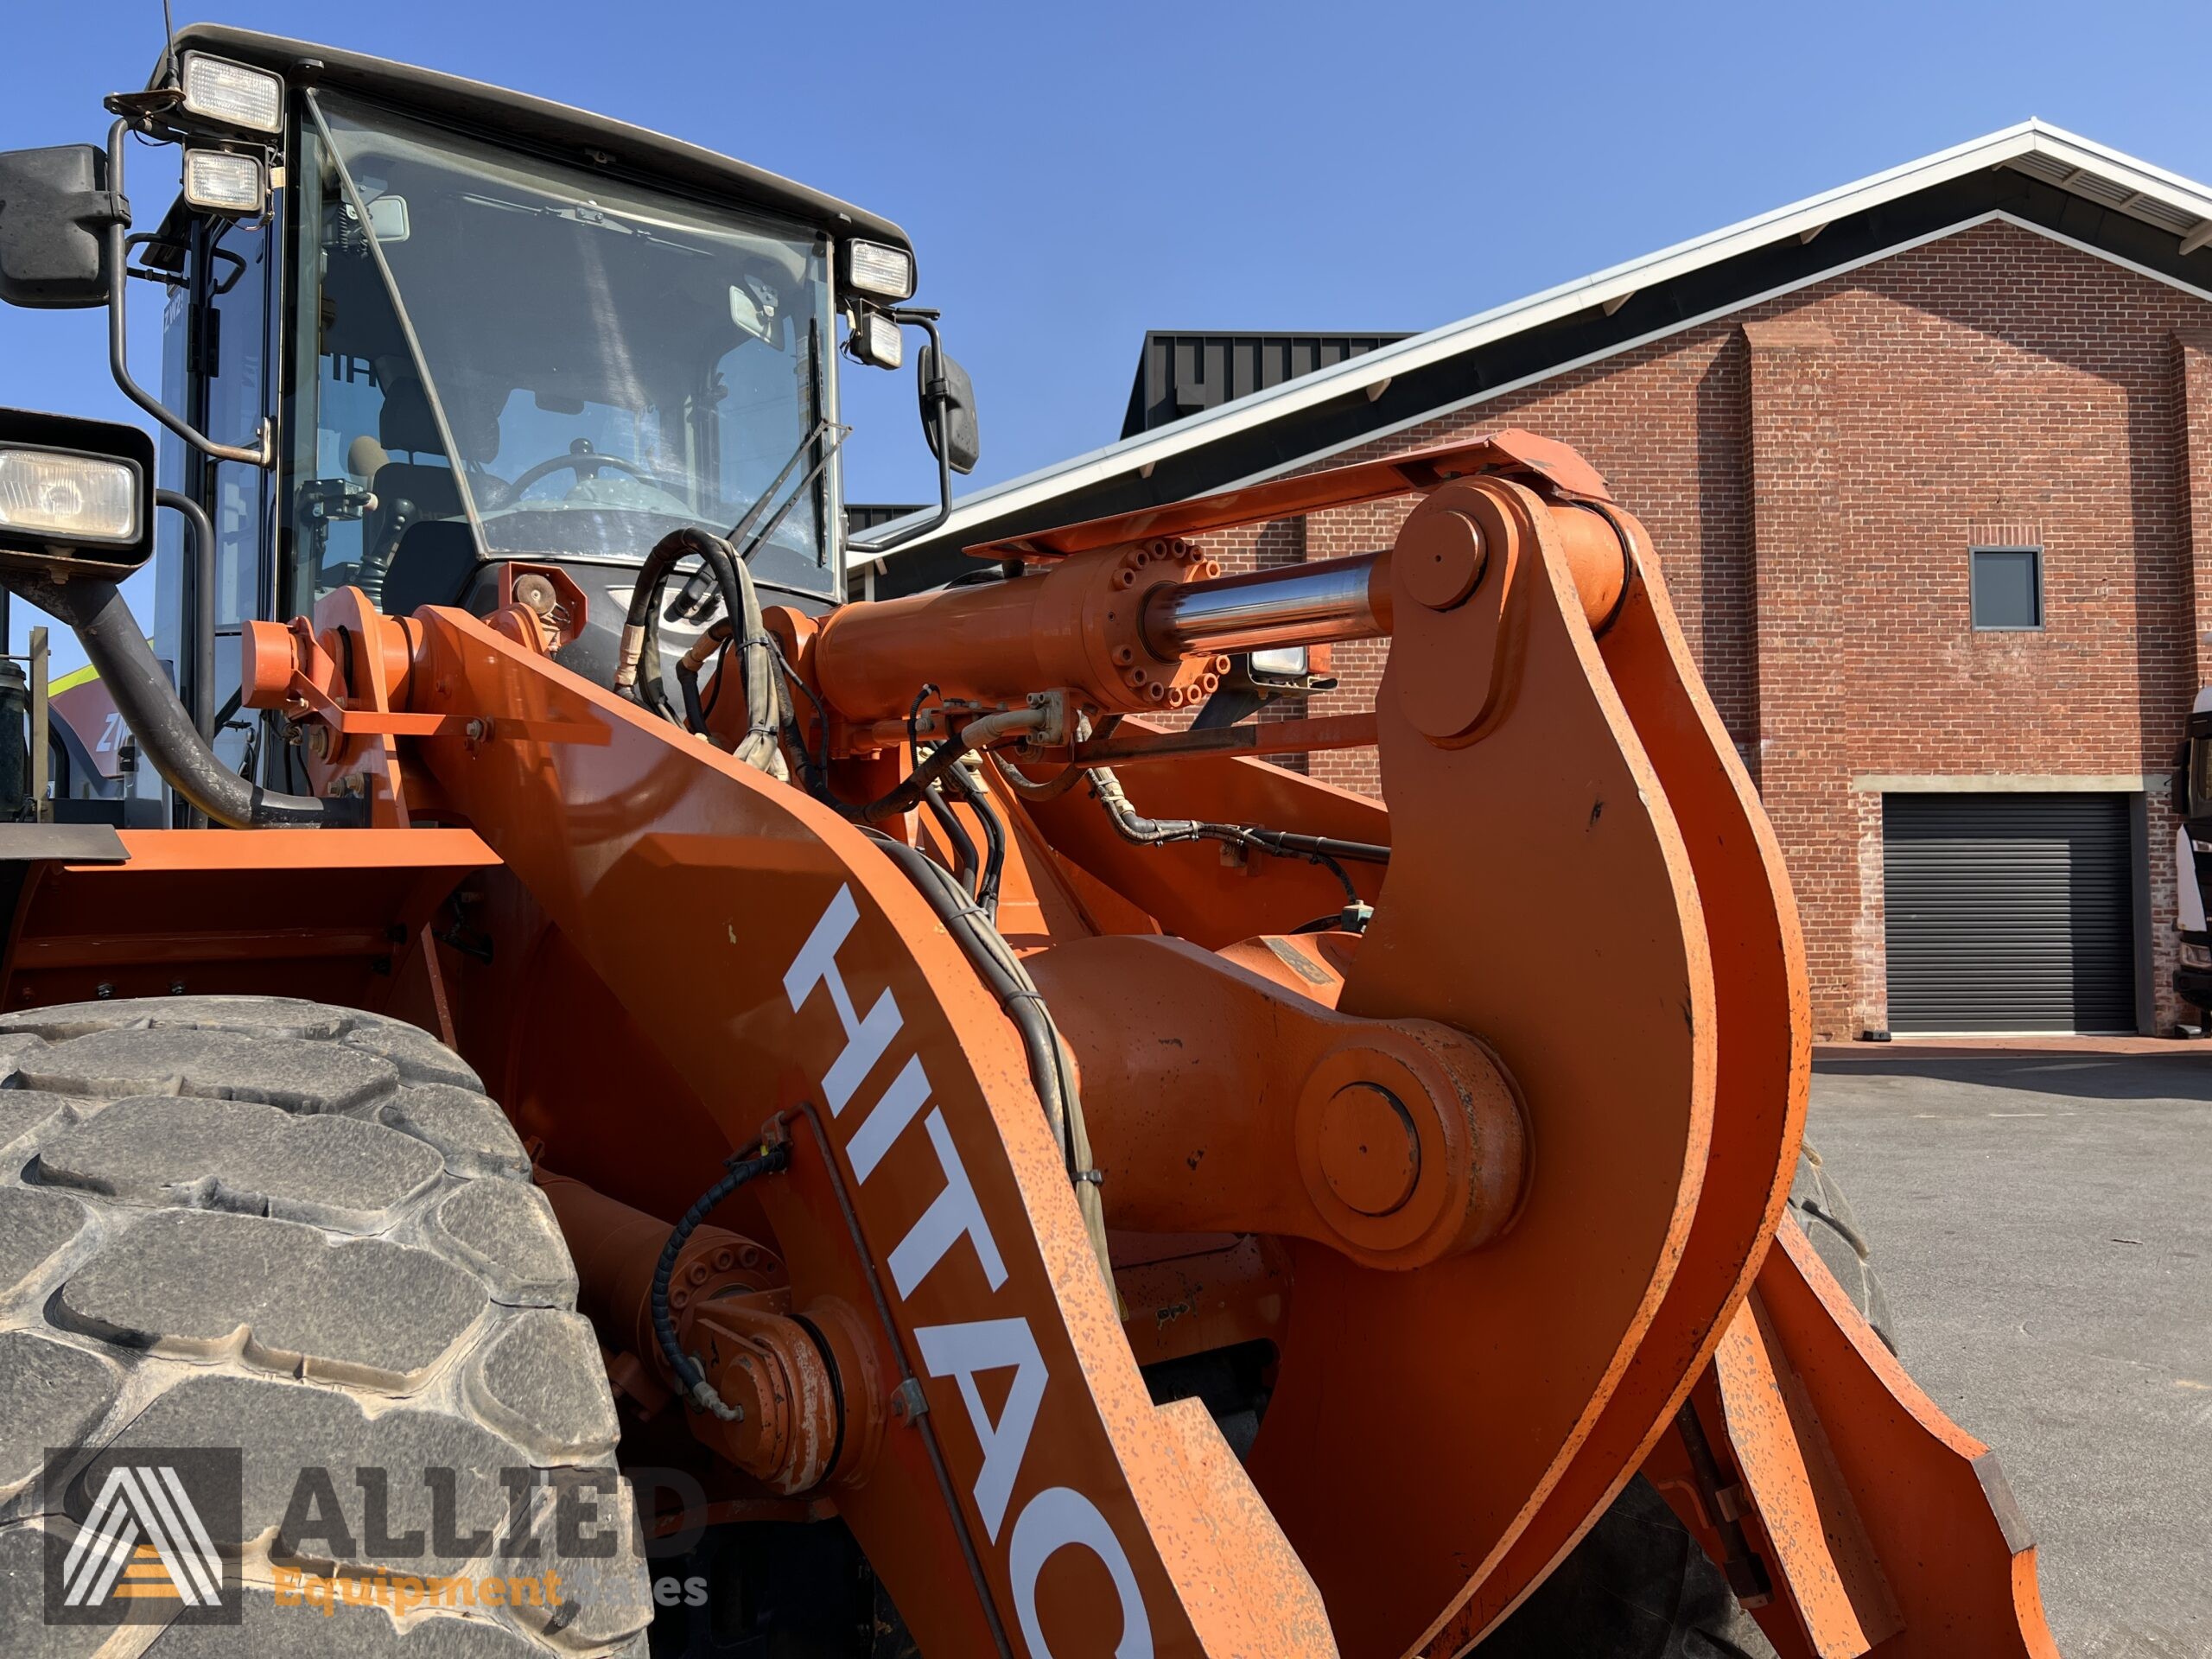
(743,538)
(597,218)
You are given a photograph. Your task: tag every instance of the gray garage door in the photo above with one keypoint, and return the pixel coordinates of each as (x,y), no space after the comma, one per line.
(2009,912)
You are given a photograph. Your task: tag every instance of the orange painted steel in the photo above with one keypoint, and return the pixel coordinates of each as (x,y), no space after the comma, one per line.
(1188,887)
(1509,451)
(1248,1108)
(1079,624)
(1486,1189)
(1091,620)
(1763,1060)
(690,886)
(1809,1384)
(330,915)
(1551,831)
(1816,1539)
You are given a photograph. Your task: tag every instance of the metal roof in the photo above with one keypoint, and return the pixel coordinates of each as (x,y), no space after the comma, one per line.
(2033,174)
(1182,373)
(579,134)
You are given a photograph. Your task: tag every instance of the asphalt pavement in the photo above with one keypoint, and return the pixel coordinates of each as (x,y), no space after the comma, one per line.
(2043,1222)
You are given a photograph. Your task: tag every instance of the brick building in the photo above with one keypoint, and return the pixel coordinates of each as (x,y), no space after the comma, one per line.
(1927,462)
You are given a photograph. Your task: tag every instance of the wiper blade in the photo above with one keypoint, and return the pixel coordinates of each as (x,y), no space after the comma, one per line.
(743,538)
(597,218)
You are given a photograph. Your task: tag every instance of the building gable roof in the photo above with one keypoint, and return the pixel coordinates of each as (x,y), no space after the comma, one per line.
(2033,173)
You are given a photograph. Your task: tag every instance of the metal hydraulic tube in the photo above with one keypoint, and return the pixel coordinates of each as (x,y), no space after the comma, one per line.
(1138,626)
(1301,605)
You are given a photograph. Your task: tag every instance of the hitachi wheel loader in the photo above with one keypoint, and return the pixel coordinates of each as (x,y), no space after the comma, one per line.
(628,1105)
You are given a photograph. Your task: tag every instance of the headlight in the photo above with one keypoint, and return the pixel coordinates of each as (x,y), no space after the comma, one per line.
(72,499)
(873,268)
(1279,662)
(2195,955)
(232,95)
(217,181)
(876,339)
(76,496)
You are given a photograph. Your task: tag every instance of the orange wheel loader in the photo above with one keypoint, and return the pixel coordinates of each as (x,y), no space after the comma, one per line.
(982,1164)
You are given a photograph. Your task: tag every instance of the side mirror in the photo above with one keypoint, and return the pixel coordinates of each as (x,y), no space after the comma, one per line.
(55,207)
(962,444)
(76,496)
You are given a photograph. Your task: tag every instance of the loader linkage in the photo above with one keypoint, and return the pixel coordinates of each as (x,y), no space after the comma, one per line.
(1507,1253)
(1040,1178)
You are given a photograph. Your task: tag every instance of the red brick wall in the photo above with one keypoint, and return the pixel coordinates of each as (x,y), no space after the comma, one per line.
(1813,470)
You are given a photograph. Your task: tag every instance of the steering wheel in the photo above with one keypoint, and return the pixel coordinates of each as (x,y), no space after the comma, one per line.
(584,463)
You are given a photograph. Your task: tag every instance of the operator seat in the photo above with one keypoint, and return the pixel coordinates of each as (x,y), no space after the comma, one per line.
(436,550)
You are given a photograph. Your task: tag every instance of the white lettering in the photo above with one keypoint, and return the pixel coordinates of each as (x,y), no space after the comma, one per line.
(954,1211)
(1055,1518)
(908,1093)
(962,1350)
(816,964)
(1058,1517)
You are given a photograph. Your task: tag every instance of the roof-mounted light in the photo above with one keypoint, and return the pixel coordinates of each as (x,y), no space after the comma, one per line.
(233,95)
(879,269)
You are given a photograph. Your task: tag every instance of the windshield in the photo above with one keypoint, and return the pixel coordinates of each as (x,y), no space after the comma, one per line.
(592,364)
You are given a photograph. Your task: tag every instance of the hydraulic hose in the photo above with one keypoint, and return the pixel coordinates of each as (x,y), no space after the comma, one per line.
(988,732)
(760,747)
(737,1172)
(1051,1071)
(1325,850)
(149,707)
(987,887)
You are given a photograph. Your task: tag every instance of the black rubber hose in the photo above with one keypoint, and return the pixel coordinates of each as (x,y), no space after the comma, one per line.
(1001,970)
(763,703)
(695,712)
(911,792)
(1297,846)
(148,705)
(987,888)
(956,837)
(737,1172)
(1324,851)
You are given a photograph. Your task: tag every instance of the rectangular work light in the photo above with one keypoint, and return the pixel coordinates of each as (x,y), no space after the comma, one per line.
(875,268)
(876,340)
(232,95)
(220,181)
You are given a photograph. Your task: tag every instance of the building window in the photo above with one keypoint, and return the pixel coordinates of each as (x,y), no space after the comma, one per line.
(2008,587)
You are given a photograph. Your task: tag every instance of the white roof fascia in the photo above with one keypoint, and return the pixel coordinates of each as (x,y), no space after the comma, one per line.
(1799,219)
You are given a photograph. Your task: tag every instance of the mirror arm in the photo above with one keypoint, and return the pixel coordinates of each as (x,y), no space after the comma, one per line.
(938,397)
(200,611)
(263,454)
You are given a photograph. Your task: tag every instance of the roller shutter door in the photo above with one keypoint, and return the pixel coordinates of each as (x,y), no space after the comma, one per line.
(2009,912)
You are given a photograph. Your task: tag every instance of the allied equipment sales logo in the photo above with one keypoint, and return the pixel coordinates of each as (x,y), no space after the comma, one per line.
(153,1535)
(134,1542)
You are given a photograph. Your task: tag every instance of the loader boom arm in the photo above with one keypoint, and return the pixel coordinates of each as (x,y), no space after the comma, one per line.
(1514,1232)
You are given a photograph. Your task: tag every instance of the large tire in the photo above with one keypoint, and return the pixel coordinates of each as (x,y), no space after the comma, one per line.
(304,1232)
(1825,1214)
(1638,1585)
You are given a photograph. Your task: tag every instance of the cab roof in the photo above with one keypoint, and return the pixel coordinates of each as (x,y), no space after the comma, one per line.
(558,128)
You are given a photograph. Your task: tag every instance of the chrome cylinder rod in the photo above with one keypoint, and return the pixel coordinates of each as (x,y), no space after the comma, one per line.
(1301,605)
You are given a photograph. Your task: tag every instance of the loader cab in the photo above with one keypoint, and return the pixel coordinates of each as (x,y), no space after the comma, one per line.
(417,327)
(486,328)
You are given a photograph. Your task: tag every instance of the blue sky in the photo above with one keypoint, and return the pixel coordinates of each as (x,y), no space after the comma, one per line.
(1073,176)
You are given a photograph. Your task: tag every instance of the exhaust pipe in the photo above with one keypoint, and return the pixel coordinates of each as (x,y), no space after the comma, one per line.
(149,706)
